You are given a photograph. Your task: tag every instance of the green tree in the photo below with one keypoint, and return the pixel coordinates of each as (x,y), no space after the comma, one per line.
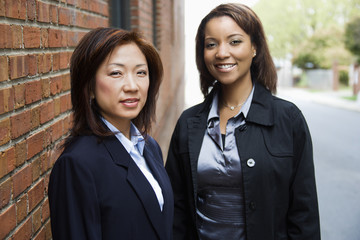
(352,37)
(290,23)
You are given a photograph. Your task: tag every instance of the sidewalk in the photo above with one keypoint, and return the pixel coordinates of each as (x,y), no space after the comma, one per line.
(330,98)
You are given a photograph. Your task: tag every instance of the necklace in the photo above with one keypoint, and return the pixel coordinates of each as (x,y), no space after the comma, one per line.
(233,107)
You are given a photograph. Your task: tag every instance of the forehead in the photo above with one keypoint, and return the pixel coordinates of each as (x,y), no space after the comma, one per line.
(127,51)
(222,26)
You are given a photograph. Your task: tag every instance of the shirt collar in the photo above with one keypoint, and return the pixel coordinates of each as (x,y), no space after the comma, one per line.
(214,110)
(137,140)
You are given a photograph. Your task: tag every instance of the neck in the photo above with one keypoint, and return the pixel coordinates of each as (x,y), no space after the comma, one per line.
(236,94)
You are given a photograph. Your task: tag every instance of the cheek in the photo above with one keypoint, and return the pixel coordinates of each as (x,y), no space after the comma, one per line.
(102,88)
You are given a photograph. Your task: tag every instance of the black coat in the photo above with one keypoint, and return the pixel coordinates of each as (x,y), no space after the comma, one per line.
(276,155)
(96,191)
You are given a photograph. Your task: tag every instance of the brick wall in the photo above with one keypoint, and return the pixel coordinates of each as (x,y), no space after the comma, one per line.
(36,42)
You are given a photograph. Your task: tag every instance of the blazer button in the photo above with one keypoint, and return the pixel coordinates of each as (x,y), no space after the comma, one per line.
(250,162)
(252,205)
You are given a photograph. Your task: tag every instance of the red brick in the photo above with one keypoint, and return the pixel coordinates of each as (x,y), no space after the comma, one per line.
(32,37)
(44,63)
(31,9)
(25,231)
(47,229)
(21,208)
(56,131)
(45,87)
(7,161)
(33,91)
(57,107)
(2,7)
(55,38)
(43,12)
(7,221)
(35,117)
(36,194)
(4,73)
(18,66)
(36,168)
(5,33)
(66,83)
(6,100)
(44,37)
(16,37)
(35,144)
(73,38)
(20,153)
(56,61)
(20,124)
(65,103)
(65,16)
(36,219)
(22,180)
(45,209)
(53,14)
(40,235)
(4,131)
(19,95)
(5,192)
(46,112)
(55,85)
(33,68)
(15,9)
(64,60)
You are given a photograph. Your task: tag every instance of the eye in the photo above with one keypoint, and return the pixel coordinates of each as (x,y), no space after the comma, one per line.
(235,42)
(210,45)
(142,73)
(116,73)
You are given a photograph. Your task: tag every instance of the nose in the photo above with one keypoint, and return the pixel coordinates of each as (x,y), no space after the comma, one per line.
(222,51)
(130,84)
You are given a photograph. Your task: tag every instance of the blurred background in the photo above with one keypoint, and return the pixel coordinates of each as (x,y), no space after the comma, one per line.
(315,46)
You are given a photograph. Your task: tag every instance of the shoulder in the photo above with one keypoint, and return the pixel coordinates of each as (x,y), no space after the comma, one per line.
(83,151)
(285,108)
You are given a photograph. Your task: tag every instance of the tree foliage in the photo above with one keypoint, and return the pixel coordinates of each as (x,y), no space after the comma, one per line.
(308,29)
(352,36)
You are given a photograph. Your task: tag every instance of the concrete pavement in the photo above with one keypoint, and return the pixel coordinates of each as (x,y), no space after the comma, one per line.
(330,98)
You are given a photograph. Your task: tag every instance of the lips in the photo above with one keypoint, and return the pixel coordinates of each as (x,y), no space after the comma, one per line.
(225,67)
(130,102)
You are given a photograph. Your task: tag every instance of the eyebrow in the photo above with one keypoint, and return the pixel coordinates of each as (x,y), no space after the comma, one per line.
(230,36)
(123,65)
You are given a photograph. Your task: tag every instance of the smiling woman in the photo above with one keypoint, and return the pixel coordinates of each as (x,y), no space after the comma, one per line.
(110,181)
(241,162)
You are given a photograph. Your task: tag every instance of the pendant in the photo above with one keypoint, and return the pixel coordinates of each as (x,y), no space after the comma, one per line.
(232,108)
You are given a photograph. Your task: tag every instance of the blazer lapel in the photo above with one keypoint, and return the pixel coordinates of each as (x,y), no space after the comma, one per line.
(196,129)
(137,180)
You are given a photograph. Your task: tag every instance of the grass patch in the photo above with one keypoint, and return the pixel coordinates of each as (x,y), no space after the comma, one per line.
(351,98)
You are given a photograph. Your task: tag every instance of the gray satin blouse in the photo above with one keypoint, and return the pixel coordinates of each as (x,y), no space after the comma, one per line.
(220,202)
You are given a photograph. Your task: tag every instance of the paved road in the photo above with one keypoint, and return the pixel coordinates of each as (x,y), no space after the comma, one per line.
(336,139)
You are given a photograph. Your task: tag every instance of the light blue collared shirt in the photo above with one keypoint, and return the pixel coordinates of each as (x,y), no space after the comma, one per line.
(135,147)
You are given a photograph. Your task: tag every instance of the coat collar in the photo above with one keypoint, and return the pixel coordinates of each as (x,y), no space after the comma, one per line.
(260,112)
(139,182)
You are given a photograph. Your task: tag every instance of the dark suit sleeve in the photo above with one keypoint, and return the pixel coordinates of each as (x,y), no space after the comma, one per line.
(303,215)
(175,170)
(73,201)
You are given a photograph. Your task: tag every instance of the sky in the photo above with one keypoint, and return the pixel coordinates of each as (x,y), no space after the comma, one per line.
(195,10)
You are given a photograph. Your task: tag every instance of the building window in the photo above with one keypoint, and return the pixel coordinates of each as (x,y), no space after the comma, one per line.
(120,14)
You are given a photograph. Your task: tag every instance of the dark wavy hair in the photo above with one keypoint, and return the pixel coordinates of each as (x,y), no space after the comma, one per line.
(262,68)
(86,59)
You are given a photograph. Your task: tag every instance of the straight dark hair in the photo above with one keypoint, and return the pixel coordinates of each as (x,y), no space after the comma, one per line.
(262,68)
(86,59)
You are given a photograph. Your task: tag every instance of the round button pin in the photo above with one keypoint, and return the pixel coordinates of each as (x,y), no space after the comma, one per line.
(250,162)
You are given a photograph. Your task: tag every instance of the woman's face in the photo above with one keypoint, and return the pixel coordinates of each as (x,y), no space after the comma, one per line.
(228,51)
(122,83)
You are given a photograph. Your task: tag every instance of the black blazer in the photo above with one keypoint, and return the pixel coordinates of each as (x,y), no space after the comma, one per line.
(276,156)
(96,191)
